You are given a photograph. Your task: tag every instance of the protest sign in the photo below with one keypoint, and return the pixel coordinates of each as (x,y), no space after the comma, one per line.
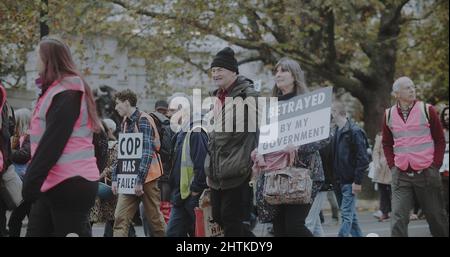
(128,161)
(300,120)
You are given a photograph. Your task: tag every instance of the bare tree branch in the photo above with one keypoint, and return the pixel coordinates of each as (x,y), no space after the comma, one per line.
(250,59)
(367,47)
(264,24)
(254,33)
(353,86)
(331,55)
(398,10)
(196,24)
(395,15)
(279,32)
(427,14)
(196,65)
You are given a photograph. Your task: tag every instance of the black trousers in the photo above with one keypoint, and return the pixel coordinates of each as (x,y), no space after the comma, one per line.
(445,185)
(290,220)
(63,209)
(385,198)
(231,209)
(16,218)
(3,208)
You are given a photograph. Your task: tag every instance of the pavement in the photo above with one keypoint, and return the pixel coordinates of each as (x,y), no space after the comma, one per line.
(368,224)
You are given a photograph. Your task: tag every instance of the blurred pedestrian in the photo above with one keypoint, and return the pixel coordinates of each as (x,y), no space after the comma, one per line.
(383,177)
(20,156)
(61,179)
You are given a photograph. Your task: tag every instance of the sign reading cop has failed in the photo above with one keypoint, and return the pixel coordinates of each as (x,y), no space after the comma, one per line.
(128,161)
(300,120)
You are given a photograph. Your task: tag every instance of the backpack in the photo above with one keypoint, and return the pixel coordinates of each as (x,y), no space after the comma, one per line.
(367,146)
(100,142)
(425,109)
(165,136)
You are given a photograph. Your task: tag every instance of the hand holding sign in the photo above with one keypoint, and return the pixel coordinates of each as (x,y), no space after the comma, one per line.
(298,121)
(114,187)
(290,148)
(138,189)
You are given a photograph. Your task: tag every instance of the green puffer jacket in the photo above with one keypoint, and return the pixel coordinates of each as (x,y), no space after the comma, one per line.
(228,163)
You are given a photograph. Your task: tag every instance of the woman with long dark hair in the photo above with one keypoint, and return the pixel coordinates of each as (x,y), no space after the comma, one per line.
(61,179)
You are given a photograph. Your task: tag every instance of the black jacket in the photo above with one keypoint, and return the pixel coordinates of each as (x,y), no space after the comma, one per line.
(60,120)
(327,164)
(6,130)
(349,154)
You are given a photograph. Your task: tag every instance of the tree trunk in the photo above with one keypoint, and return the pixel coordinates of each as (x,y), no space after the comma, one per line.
(43,26)
(376,102)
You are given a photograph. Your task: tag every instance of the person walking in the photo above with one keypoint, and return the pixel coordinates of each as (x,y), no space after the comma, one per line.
(228,165)
(382,177)
(187,177)
(289,219)
(61,179)
(20,156)
(150,169)
(349,165)
(414,145)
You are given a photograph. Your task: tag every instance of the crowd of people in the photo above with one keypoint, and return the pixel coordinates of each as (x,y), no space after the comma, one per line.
(63,152)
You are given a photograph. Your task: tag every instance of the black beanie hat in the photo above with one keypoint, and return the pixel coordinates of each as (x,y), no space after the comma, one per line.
(161,104)
(225,59)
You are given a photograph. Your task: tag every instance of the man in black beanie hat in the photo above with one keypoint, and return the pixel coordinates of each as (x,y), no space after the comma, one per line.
(162,107)
(224,71)
(229,167)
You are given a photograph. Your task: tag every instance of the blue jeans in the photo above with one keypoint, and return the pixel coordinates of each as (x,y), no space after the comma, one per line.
(348,213)
(312,221)
(182,218)
(20,169)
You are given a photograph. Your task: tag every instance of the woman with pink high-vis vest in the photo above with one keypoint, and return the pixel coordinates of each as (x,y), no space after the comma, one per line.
(61,179)
(413,143)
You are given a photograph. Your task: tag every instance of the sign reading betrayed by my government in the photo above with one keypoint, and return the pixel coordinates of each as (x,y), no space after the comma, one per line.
(128,160)
(301,120)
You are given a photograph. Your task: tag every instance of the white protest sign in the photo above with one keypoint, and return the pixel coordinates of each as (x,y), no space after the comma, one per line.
(129,157)
(257,85)
(301,120)
(210,228)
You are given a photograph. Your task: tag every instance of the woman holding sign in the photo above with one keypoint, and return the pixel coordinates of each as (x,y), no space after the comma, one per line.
(61,179)
(289,219)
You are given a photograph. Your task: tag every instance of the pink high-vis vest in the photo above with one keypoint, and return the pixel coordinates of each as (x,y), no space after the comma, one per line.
(78,158)
(2,103)
(413,144)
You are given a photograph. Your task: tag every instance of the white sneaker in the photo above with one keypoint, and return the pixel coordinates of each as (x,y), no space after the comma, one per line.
(377,214)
